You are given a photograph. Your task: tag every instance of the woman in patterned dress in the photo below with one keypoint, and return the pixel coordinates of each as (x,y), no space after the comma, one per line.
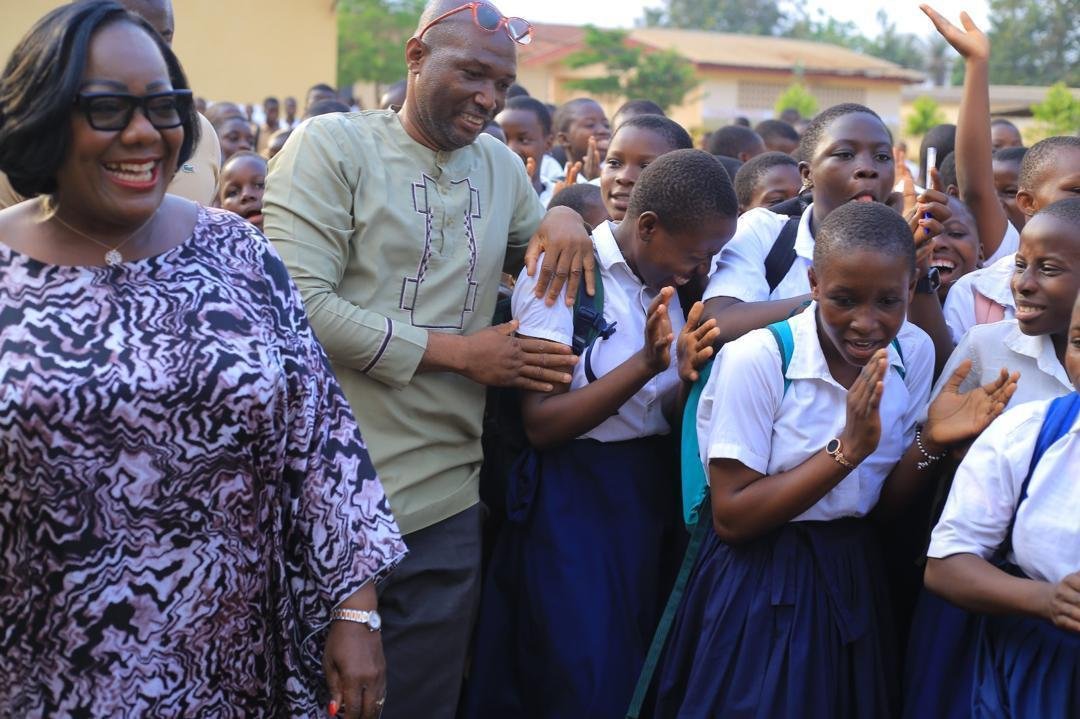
(184,493)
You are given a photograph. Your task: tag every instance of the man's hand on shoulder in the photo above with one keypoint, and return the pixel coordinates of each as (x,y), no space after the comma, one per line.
(568,253)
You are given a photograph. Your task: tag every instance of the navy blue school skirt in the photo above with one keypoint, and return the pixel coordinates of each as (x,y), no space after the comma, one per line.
(577,581)
(1026,667)
(940,660)
(793,624)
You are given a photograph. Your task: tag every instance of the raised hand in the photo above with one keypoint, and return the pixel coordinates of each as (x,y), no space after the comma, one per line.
(592,160)
(954,417)
(695,345)
(569,181)
(530,168)
(495,357)
(971,42)
(862,429)
(1063,605)
(927,213)
(658,334)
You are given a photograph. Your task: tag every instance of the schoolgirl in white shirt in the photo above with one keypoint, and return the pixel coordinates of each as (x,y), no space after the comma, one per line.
(786,610)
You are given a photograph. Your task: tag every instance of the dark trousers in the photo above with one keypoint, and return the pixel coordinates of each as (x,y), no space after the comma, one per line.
(428,607)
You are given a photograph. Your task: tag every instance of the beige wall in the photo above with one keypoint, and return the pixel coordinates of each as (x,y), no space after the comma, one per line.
(239,50)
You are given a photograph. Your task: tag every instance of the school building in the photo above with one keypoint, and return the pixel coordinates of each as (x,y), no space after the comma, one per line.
(738,74)
(238,50)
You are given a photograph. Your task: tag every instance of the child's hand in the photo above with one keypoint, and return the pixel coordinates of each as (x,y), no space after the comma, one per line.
(970,42)
(695,345)
(862,430)
(903,172)
(592,160)
(658,334)
(954,417)
(530,168)
(1063,603)
(926,214)
(570,181)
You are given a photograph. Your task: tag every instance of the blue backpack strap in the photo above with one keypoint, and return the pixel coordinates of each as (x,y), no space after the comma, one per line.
(785,342)
(1059,419)
(694,484)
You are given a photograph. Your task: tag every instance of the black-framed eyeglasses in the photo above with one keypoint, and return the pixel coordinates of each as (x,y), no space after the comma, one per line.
(487,17)
(112,111)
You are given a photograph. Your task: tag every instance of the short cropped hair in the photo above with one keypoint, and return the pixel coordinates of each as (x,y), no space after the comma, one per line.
(814,131)
(683,188)
(730,140)
(325,107)
(1010,154)
(41,82)
(1040,155)
(750,174)
(947,170)
(240,156)
(1066,210)
(776,128)
(1003,121)
(565,114)
(731,164)
(673,133)
(640,107)
(577,197)
(516,90)
(531,104)
(942,137)
(866,226)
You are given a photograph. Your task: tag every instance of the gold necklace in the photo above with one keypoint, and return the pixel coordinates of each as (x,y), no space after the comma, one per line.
(112,254)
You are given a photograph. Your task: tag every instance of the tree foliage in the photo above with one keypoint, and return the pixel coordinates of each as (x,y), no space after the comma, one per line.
(1034,42)
(371,39)
(1059,112)
(796,97)
(925,115)
(753,17)
(665,77)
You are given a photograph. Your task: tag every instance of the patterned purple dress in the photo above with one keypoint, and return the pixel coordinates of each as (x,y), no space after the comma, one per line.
(184,493)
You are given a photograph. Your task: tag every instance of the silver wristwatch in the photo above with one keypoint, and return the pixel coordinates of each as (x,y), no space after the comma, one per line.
(371,619)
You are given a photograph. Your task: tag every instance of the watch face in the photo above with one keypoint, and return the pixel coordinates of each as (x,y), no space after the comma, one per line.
(833,446)
(374,621)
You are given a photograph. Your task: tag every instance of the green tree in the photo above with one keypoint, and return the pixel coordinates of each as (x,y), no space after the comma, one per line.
(1059,112)
(890,44)
(758,17)
(665,77)
(925,114)
(1034,42)
(371,39)
(797,97)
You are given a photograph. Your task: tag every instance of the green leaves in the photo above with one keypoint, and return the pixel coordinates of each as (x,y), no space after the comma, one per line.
(371,39)
(1059,112)
(925,115)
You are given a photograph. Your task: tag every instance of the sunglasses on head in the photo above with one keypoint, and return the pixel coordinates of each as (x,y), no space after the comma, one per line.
(487,17)
(112,111)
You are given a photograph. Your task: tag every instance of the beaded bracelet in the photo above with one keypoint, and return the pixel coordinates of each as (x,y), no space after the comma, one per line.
(929,459)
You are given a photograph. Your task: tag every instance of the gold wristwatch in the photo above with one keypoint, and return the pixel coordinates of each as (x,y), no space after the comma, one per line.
(835,450)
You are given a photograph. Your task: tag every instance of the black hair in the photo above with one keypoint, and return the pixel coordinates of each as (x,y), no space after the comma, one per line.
(564,116)
(239,156)
(640,107)
(732,165)
(41,81)
(531,104)
(321,87)
(750,174)
(1003,121)
(1010,154)
(516,90)
(673,133)
(942,137)
(769,129)
(325,107)
(578,197)
(741,121)
(1066,210)
(683,188)
(814,131)
(271,99)
(731,140)
(867,226)
(947,170)
(1040,155)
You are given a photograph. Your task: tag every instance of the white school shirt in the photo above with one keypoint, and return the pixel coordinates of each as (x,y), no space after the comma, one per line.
(1010,243)
(740,270)
(1002,344)
(626,300)
(993,282)
(550,170)
(745,415)
(1046,538)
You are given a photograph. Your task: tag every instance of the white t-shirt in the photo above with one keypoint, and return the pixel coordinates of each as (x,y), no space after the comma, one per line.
(740,269)
(626,300)
(986,489)
(993,282)
(745,415)
(1002,344)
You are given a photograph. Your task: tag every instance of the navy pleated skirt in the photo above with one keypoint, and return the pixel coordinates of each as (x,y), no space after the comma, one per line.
(1026,667)
(577,581)
(940,662)
(794,624)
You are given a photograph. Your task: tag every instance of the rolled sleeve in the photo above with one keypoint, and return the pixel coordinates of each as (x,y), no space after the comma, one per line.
(309,196)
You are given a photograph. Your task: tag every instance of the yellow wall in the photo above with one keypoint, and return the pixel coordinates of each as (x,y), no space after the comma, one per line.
(238,50)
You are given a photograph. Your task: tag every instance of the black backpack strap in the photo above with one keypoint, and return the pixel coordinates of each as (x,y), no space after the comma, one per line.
(589,322)
(782,255)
